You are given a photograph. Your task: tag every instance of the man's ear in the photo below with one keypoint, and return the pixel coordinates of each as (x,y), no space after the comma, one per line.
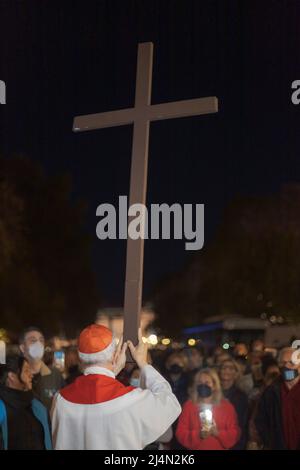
(22,348)
(11,378)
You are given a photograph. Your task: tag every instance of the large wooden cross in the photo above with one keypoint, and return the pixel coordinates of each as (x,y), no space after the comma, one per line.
(140,116)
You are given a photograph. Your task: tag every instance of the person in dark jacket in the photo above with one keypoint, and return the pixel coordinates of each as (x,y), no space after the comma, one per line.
(177,377)
(271,372)
(179,381)
(24,423)
(72,365)
(46,380)
(229,372)
(278,415)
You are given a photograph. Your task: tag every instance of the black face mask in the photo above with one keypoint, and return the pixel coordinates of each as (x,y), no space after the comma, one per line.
(175,369)
(204,391)
(289,374)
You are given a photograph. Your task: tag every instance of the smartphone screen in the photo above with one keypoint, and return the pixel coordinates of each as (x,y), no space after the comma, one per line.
(59,359)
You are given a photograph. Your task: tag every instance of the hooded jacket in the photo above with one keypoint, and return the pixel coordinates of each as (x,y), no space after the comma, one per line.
(24,421)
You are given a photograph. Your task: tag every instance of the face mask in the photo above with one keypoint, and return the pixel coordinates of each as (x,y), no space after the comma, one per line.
(36,350)
(204,391)
(175,369)
(289,374)
(134,382)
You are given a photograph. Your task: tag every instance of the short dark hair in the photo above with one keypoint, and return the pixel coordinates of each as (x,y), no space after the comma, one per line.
(133,370)
(14,363)
(29,330)
(266,362)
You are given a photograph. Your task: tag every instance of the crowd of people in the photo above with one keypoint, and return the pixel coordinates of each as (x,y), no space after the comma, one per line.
(243,399)
(254,393)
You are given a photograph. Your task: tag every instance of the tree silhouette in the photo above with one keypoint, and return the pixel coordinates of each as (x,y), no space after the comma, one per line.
(251,267)
(45,274)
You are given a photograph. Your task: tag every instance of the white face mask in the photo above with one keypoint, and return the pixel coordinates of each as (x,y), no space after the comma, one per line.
(36,350)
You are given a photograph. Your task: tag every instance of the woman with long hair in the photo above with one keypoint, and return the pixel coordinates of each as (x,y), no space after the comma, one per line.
(208,421)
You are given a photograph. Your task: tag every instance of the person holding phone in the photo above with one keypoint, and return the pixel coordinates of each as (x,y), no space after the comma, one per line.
(208,421)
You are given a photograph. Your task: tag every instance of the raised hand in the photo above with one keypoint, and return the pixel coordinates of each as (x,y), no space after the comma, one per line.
(139,352)
(120,357)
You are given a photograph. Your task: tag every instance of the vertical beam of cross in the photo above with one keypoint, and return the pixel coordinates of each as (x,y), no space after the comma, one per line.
(138,189)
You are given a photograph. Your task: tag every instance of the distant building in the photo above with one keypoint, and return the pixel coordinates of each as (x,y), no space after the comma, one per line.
(113,319)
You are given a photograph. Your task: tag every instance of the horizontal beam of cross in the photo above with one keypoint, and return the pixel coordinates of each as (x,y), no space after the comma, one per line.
(156,112)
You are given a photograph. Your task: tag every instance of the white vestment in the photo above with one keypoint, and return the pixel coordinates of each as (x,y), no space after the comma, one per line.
(128,422)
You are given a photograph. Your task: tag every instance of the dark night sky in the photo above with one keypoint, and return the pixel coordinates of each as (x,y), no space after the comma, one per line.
(61,59)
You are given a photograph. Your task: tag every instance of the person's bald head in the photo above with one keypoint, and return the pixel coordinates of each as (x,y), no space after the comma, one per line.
(289,357)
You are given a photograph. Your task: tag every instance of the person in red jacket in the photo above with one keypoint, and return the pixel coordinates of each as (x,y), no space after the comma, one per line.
(208,421)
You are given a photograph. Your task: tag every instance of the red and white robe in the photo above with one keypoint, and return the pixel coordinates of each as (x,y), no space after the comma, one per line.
(98,412)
